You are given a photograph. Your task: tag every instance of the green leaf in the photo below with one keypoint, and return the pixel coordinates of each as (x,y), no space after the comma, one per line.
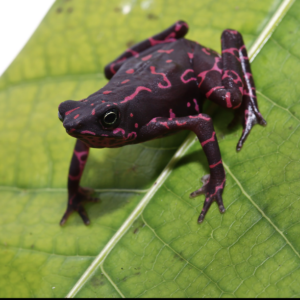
(251,250)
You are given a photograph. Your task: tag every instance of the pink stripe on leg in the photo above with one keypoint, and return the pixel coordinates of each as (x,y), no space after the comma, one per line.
(214,165)
(212,139)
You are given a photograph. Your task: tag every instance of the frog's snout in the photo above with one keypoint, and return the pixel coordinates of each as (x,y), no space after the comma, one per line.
(68,114)
(60,117)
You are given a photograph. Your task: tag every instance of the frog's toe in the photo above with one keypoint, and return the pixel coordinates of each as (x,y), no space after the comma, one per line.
(206,206)
(219,200)
(66,216)
(210,198)
(213,193)
(76,202)
(82,213)
(202,190)
(260,120)
(251,118)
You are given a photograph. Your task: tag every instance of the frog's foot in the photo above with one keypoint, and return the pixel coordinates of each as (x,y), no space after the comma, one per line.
(213,192)
(75,203)
(252,116)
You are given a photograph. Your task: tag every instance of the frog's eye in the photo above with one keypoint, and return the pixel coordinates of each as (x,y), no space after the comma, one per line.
(110,118)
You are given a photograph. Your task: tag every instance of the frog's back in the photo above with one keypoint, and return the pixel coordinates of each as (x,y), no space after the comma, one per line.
(165,69)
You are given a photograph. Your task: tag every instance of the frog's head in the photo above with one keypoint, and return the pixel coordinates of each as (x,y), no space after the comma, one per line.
(97,123)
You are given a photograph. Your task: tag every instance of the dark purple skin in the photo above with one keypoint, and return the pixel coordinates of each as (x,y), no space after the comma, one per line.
(157,87)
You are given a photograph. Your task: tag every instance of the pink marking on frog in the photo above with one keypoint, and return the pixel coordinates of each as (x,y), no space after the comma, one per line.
(218,187)
(236,81)
(233,52)
(138,89)
(131,115)
(169,61)
(125,81)
(196,105)
(108,105)
(134,53)
(88,132)
(178,26)
(200,117)
(152,68)
(232,31)
(205,50)
(246,114)
(76,116)
(238,105)
(164,124)
(245,93)
(184,74)
(212,90)
(146,57)
(115,131)
(92,104)
(131,134)
(191,55)
(93,112)
(112,68)
(152,121)
(165,51)
(106,92)
(130,71)
(228,100)
(212,139)
(214,68)
(170,38)
(136,125)
(180,124)
(172,115)
(81,156)
(188,104)
(70,111)
(214,165)
(113,64)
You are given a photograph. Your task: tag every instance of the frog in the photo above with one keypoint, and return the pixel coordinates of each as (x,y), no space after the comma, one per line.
(156,88)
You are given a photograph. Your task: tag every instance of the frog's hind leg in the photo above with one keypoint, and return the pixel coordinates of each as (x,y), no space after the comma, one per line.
(229,82)
(76,194)
(202,125)
(176,31)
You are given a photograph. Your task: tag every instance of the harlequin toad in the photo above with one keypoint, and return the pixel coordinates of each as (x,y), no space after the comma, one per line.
(158,87)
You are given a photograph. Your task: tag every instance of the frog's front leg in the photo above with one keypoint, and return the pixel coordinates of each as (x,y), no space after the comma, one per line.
(76,194)
(176,31)
(203,127)
(229,81)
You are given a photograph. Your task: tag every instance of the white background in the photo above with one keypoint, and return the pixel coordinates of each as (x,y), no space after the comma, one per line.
(18,21)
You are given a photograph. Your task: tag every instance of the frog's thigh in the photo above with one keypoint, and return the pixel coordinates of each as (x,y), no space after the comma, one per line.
(223,82)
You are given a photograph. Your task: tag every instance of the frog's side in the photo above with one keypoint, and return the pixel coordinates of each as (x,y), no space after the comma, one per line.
(158,87)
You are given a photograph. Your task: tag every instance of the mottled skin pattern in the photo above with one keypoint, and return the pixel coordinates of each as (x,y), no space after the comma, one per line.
(157,87)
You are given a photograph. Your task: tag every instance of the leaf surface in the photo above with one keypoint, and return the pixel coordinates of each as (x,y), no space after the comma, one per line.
(252,250)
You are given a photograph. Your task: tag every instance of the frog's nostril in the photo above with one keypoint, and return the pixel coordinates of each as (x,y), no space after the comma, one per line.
(60,117)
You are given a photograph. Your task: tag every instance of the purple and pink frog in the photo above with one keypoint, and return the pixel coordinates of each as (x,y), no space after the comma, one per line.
(158,87)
